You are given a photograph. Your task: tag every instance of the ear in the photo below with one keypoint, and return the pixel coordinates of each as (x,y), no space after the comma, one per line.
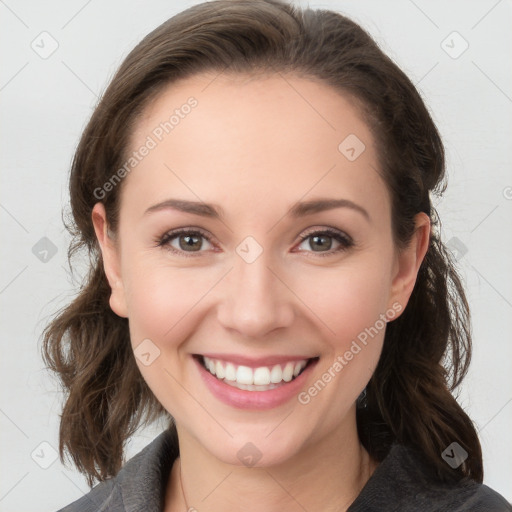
(408,262)
(111,260)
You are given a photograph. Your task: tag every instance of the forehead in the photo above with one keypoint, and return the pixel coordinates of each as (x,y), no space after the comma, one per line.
(213,133)
(294,107)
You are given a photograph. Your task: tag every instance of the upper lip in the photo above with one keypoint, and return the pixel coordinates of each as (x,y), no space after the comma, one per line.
(256,362)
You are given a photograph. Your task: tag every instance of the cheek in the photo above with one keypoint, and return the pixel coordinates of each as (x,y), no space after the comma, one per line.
(351,305)
(351,308)
(161,299)
(163,306)
(349,302)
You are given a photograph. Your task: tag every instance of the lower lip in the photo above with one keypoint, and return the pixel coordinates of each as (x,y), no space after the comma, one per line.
(243,399)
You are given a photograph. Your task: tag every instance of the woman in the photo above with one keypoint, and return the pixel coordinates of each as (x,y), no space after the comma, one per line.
(254,192)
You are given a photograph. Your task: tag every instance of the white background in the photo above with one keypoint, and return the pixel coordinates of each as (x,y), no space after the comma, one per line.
(46,102)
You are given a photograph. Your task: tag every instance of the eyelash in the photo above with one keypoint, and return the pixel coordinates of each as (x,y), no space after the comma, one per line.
(344,240)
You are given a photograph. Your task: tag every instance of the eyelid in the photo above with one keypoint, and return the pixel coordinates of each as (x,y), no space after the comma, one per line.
(327,230)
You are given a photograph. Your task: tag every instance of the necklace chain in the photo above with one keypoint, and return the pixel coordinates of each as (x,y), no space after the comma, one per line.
(182,491)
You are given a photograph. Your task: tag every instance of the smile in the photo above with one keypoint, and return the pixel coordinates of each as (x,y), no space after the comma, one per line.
(261,378)
(254,383)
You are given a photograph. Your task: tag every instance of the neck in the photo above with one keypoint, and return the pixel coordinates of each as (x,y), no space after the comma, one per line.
(326,476)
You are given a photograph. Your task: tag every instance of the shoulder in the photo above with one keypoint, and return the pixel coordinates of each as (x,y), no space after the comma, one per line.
(101,497)
(139,485)
(403,482)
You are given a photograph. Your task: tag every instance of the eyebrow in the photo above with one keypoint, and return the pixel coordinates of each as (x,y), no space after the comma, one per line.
(194,207)
(320,205)
(300,209)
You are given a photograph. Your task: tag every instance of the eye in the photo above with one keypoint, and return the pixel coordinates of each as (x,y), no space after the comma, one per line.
(182,241)
(321,241)
(187,241)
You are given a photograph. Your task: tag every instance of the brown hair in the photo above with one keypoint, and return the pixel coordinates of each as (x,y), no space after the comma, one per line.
(426,350)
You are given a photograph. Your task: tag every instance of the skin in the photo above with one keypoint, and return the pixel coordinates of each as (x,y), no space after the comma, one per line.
(255,146)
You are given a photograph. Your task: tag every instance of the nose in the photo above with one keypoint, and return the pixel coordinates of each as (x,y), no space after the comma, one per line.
(255,299)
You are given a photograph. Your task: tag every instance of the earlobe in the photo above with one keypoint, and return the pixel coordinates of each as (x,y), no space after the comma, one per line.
(409,260)
(111,260)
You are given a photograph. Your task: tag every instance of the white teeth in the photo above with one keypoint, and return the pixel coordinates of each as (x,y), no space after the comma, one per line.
(219,370)
(276,374)
(254,379)
(288,372)
(251,387)
(262,376)
(244,375)
(230,372)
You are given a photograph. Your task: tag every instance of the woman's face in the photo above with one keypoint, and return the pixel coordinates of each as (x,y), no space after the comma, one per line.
(286,262)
